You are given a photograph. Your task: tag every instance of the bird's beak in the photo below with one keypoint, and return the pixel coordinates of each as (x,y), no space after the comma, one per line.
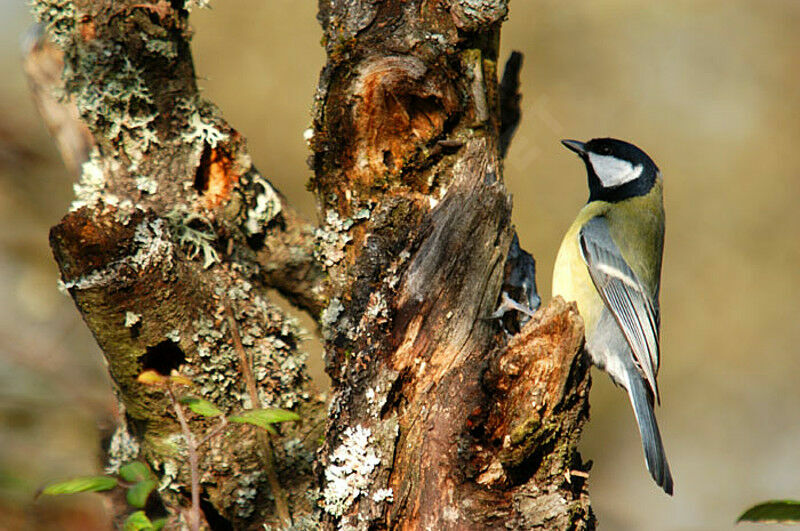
(574,145)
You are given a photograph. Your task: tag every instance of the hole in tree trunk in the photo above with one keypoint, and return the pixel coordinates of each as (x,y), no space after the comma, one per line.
(216,521)
(201,177)
(163,357)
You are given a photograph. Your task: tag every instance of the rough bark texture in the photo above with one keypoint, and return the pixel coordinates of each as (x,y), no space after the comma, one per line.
(171,226)
(407,174)
(439,418)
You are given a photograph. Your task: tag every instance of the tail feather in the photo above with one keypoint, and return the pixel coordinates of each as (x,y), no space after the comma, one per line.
(648,429)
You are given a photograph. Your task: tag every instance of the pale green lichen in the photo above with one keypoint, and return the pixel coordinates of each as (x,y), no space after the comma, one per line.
(391,278)
(363,214)
(270,340)
(112,96)
(376,398)
(61,286)
(278,364)
(202,4)
(329,317)
(377,306)
(331,239)
(383,495)
(469,14)
(203,130)
(146,184)
(303,522)
(247,492)
(91,184)
(132,319)
(347,477)
(218,377)
(169,477)
(124,209)
(240,291)
(163,47)
(122,449)
(59,19)
(267,205)
(302,458)
(153,242)
(195,234)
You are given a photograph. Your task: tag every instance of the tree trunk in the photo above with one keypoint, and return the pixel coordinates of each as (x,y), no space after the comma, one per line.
(440,417)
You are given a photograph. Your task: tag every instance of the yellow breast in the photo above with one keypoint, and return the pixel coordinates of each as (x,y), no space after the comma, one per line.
(571,278)
(637,225)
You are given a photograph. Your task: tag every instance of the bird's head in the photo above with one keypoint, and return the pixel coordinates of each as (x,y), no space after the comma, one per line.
(616,169)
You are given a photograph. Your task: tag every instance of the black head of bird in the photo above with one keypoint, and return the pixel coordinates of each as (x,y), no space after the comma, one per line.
(616,169)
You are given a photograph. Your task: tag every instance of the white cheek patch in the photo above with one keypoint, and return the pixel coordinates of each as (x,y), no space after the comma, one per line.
(612,171)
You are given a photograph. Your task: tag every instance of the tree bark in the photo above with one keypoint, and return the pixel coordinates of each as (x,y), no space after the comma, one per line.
(407,128)
(440,417)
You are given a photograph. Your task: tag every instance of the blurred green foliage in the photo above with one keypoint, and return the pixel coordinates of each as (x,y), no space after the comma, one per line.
(776,511)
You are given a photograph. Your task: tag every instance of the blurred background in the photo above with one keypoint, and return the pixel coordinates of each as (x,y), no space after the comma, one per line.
(710,89)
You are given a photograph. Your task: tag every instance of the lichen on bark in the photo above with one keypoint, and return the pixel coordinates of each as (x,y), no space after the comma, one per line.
(439,417)
(173,224)
(407,126)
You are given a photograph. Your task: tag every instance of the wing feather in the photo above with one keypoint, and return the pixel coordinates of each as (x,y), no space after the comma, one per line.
(624,295)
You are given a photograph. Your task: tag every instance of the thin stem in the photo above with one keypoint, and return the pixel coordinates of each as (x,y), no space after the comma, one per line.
(244,361)
(213,433)
(281,505)
(191,448)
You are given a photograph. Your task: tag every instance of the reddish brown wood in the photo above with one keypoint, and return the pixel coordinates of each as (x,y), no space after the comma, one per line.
(408,178)
(439,419)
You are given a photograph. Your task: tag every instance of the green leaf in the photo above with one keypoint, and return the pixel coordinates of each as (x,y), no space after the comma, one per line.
(784,511)
(135,472)
(264,417)
(137,495)
(82,484)
(201,407)
(137,521)
(159,524)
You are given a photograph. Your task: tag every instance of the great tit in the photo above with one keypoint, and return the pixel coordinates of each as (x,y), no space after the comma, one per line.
(609,263)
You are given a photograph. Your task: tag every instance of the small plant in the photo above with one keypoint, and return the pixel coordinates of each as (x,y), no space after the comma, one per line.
(140,481)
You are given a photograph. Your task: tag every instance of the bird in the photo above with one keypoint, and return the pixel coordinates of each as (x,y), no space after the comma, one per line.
(609,264)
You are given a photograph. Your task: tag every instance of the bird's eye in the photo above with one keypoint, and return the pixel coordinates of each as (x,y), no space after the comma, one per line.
(605,150)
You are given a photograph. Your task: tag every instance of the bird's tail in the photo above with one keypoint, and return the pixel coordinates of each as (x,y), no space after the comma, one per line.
(651,438)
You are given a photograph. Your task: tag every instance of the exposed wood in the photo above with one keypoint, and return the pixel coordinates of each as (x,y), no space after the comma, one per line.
(408,178)
(440,417)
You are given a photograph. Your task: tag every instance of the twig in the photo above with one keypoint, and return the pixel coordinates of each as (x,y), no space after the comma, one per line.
(244,361)
(281,505)
(191,448)
(213,433)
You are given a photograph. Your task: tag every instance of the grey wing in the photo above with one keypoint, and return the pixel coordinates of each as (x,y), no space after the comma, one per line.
(624,295)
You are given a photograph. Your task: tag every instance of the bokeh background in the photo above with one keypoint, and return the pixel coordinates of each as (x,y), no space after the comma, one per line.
(710,89)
